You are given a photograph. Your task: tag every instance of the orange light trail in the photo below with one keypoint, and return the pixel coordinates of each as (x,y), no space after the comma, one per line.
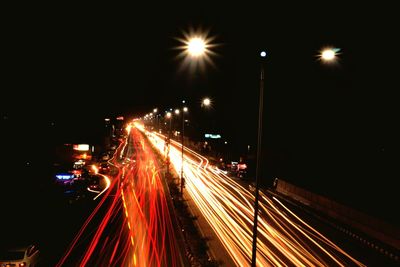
(283,240)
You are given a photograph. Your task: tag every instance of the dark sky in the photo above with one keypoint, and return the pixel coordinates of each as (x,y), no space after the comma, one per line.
(75,65)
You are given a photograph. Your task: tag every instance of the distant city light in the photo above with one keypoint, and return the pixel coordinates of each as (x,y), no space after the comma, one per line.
(81,147)
(212,136)
(63,176)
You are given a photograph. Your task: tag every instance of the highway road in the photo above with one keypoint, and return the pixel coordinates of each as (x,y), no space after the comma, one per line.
(131,225)
(285,238)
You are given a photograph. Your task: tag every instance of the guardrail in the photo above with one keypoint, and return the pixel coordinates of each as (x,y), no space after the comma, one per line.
(373,227)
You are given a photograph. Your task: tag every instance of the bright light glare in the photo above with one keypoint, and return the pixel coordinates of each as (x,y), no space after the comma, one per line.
(206,102)
(196,50)
(263,54)
(176,111)
(81,147)
(185,109)
(196,47)
(329,54)
(169,115)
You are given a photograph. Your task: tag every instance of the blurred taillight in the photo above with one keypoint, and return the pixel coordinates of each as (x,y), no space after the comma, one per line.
(22,264)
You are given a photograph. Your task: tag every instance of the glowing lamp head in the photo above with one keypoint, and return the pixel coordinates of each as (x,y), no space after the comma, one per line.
(155,110)
(177,111)
(169,115)
(196,47)
(206,102)
(185,109)
(329,54)
(263,54)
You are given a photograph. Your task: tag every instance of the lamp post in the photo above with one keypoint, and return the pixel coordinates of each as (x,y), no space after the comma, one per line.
(263,54)
(184,109)
(156,115)
(206,103)
(168,116)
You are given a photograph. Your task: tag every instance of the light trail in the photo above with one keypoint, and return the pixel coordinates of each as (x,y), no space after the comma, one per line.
(108,183)
(284,239)
(132,225)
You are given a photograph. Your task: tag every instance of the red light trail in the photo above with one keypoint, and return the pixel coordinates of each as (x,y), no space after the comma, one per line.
(131,224)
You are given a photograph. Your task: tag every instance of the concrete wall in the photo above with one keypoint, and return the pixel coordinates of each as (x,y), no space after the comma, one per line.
(373,227)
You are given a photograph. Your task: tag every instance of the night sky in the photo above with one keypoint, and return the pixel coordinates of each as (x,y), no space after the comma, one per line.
(326,128)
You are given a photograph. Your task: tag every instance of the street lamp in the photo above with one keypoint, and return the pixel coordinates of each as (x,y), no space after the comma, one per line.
(196,49)
(329,55)
(168,115)
(196,46)
(263,55)
(155,111)
(206,102)
(184,109)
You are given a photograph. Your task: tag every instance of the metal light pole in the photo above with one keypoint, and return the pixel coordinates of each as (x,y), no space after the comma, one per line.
(182,139)
(156,117)
(169,116)
(258,166)
(184,109)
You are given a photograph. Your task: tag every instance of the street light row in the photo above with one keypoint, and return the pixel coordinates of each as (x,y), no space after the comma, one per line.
(206,102)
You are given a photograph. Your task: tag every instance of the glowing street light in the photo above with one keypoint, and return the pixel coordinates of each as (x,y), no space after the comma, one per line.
(195,49)
(155,110)
(329,55)
(184,109)
(196,46)
(177,111)
(206,102)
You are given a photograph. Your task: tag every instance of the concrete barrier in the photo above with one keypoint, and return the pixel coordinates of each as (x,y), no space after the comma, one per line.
(373,227)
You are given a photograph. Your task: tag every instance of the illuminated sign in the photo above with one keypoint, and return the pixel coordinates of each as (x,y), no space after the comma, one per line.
(212,136)
(64,176)
(81,147)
